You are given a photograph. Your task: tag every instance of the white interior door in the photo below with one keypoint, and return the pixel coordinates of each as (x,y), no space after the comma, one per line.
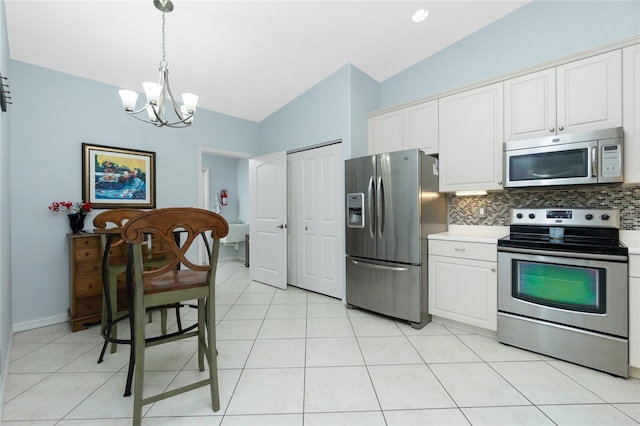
(319,182)
(267,230)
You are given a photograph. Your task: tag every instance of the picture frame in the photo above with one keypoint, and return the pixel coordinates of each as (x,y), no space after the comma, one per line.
(118,177)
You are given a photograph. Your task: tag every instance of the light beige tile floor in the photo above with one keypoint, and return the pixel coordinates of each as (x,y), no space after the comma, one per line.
(298,358)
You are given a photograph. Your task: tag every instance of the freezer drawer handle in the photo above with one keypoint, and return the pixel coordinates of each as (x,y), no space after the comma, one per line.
(385,268)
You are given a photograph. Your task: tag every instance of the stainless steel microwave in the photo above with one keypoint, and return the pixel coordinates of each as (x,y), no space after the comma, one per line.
(573,159)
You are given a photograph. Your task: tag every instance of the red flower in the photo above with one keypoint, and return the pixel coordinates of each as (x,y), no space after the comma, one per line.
(68,207)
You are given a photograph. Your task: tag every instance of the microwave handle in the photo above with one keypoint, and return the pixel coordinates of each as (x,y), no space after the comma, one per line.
(594,161)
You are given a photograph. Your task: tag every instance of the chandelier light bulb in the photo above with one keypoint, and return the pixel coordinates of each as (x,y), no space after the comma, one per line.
(190,100)
(152,114)
(129,99)
(186,115)
(152,90)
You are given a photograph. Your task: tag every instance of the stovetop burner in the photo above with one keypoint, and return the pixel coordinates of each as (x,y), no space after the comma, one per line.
(591,231)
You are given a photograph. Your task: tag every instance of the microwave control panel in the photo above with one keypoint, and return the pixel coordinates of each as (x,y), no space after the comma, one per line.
(611,163)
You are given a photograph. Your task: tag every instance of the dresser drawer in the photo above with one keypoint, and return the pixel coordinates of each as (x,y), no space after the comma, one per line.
(90,305)
(464,249)
(88,242)
(88,286)
(82,269)
(83,254)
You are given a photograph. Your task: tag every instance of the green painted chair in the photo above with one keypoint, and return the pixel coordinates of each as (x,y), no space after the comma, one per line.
(114,263)
(169,285)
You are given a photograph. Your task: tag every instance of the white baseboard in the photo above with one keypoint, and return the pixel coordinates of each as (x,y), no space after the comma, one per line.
(465,327)
(229,258)
(42,322)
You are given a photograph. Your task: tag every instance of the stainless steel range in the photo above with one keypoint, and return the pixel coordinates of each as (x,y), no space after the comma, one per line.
(563,286)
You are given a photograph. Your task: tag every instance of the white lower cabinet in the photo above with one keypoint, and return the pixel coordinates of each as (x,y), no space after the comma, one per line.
(634,311)
(463,282)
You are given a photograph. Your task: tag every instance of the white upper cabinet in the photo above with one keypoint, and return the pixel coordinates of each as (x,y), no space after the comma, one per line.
(385,132)
(421,127)
(471,135)
(412,127)
(530,105)
(631,117)
(579,96)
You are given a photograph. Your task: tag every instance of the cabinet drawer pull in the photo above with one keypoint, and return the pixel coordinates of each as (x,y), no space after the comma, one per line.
(459,249)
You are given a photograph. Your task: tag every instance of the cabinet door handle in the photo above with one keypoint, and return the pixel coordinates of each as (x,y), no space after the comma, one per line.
(552,129)
(493,269)
(561,128)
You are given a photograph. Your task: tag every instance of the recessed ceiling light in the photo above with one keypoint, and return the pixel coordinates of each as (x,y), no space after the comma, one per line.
(420,15)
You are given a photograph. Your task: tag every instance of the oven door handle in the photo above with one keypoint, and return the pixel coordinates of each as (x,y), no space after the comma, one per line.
(592,256)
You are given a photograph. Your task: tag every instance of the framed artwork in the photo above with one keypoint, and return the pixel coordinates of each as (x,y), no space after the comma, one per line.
(118,177)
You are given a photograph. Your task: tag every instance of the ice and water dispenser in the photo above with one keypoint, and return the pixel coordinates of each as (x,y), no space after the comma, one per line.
(355,210)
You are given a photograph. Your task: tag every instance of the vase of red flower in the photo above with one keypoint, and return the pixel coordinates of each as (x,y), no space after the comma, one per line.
(76,212)
(76,222)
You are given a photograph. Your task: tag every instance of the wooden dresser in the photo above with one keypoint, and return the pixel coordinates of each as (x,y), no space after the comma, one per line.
(85,278)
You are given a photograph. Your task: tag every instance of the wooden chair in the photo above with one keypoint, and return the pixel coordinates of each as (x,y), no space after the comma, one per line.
(168,285)
(114,263)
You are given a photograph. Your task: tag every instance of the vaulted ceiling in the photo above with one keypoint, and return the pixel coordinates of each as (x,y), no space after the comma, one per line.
(243,58)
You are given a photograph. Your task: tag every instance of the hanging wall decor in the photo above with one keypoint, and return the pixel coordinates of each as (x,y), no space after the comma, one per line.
(118,177)
(4,93)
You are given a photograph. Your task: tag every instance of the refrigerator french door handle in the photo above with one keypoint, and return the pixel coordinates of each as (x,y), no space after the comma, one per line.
(370,206)
(383,267)
(379,207)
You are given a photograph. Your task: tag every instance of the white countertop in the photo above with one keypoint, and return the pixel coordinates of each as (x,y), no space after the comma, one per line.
(632,240)
(474,234)
(491,234)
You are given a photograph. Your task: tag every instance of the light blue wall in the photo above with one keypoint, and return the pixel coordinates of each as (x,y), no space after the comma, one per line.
(52,115)
(319,115)
(5,210)
(365,97)
(336,108)
(538,32)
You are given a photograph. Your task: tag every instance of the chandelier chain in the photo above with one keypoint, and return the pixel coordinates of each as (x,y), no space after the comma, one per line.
(164,61)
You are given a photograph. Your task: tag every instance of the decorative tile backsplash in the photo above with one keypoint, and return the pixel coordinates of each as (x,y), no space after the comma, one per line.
(465,210)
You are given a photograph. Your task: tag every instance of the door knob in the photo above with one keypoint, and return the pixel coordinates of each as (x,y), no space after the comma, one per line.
(281,226)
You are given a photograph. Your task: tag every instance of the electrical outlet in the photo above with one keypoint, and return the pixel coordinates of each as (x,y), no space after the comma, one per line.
(482,211)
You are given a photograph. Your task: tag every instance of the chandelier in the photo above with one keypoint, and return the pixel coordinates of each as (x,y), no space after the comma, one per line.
(160,100)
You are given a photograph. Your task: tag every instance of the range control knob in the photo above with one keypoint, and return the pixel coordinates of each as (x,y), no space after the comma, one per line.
(604,217)
(532,216)
(519,215)
(588,216)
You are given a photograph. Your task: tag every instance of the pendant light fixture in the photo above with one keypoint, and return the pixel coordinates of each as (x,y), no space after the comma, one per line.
(160,100)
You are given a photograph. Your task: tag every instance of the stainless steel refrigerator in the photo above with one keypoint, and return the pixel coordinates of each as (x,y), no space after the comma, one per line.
(392,205)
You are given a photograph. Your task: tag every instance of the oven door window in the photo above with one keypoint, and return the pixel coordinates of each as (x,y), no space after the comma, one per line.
(581,289)
(572,163)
